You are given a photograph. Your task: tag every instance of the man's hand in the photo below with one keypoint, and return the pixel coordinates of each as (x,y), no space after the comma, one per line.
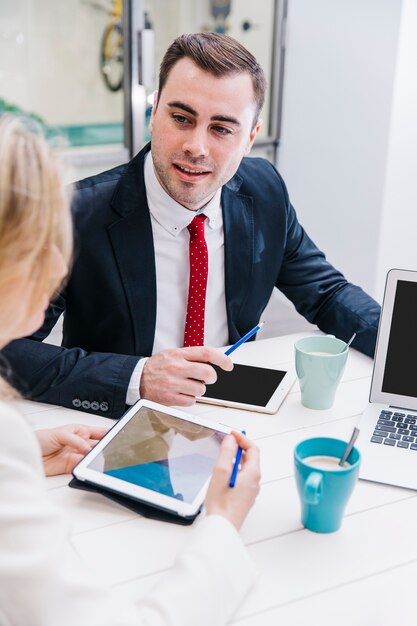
(62,448)
(234,503)
(176,377)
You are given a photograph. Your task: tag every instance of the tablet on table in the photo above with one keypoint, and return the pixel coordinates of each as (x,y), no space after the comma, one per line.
(156,455)
(260,389)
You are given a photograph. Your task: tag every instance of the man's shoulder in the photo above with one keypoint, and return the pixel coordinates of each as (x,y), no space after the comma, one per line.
(256,175)
(252,163)
(111,177)
(97,193)
(253,168)
(108,178)
(92,196)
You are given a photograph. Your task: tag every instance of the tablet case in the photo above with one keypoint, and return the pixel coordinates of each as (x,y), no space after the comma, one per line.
(146,510)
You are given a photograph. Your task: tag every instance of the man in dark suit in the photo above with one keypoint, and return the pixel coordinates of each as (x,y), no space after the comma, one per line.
(129,295)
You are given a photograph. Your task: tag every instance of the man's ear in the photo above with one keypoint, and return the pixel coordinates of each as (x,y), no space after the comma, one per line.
(154,107)
(252,136)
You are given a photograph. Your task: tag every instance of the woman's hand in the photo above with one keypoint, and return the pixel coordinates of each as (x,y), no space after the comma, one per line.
(63,447)
(234,503)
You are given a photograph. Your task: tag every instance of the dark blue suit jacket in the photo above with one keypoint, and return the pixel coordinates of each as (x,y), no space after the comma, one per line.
(110,299)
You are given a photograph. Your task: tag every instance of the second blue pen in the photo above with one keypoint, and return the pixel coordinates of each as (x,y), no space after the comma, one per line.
(244,338)
(236,464)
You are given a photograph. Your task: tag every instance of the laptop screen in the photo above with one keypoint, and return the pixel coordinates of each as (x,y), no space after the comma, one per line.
(400,373)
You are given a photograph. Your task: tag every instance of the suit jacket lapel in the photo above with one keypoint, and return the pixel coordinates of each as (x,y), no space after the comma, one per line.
(239,252)
(132,242)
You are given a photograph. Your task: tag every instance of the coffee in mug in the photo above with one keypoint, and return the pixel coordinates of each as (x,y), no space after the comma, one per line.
(325,462)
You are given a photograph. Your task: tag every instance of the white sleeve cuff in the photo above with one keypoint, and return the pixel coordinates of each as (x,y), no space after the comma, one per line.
(133,394)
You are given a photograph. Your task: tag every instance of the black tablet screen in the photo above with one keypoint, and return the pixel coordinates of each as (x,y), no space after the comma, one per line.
(245,384)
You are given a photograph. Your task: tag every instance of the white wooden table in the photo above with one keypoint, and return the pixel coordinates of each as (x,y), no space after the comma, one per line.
(362,575)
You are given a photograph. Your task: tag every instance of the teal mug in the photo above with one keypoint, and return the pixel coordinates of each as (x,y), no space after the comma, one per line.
(323,485)
(319,362)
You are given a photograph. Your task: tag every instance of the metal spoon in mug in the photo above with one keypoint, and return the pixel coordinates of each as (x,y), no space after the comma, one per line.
(349,446)
(349,342)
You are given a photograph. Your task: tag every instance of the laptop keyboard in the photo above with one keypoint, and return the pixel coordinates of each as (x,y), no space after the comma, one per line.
(396,429)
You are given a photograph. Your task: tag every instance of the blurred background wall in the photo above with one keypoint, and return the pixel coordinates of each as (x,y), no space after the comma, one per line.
(340,117)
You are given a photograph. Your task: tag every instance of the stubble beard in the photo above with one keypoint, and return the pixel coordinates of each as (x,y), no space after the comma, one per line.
(181,191)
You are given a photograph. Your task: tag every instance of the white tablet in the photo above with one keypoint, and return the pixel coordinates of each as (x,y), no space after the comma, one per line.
(259,389)
(157,455)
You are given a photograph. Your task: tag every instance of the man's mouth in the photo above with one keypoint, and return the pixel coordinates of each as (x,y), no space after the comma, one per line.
(190,172)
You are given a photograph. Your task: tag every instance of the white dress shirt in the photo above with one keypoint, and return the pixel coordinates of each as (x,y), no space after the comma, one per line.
(43,582)
(171,242)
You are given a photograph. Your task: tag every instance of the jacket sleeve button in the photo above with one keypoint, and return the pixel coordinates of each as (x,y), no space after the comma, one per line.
(95,405)
(86,404)
(104,406)
(76,402)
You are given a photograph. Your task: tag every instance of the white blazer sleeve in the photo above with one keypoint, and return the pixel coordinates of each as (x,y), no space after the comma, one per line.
(43,583)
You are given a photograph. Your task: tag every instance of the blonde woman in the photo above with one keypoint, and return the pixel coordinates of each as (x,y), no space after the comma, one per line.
(41,581)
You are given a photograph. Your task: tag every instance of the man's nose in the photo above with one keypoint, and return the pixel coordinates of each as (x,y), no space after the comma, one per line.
(196,143)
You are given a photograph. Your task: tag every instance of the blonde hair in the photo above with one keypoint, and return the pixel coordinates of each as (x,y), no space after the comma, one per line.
(34,211)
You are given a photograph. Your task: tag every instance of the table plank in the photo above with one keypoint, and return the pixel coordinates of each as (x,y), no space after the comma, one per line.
(370,601)
(303,563)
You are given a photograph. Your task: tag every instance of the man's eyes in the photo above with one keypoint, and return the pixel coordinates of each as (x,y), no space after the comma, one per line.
(222,130)
(181,120)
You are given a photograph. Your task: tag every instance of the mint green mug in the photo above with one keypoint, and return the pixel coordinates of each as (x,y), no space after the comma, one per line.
(319,363)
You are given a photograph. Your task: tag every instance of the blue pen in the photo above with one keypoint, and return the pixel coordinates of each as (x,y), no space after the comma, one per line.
(244,338)
(236,464)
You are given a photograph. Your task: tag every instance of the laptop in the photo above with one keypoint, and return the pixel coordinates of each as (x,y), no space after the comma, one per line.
(388,428)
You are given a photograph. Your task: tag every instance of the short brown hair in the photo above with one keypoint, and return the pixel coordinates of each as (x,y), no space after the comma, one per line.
(219,55)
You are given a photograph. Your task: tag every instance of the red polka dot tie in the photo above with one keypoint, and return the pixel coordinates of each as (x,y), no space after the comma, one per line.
(194,320)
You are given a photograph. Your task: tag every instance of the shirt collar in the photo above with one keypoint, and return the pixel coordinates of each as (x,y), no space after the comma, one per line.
(171,215)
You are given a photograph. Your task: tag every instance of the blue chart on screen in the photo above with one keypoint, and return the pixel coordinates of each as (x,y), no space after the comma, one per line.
(181,477)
